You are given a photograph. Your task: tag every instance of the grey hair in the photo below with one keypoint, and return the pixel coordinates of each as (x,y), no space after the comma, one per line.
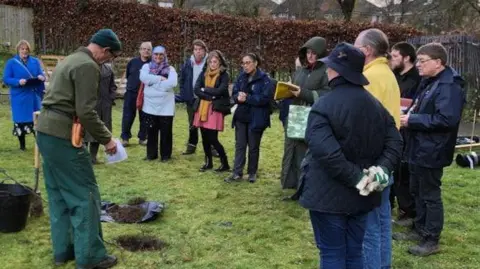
(376,39)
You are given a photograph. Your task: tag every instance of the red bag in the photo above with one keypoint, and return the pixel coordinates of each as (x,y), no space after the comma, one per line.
(140,96)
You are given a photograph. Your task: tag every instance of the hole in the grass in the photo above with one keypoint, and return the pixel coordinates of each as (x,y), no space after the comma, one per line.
(126,214)
(140,243)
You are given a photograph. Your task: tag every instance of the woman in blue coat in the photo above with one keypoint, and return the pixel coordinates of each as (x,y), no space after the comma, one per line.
(252,93)
(23,74)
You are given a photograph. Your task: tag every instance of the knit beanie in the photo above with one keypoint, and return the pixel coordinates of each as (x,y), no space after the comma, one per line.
(107,38)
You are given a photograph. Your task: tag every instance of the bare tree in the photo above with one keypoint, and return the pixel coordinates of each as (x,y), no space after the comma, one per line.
(347,7)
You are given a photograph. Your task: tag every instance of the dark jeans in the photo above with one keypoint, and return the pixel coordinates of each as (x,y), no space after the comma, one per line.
(405,200)
(243,138)
(339,239)
(128,117)
(159,125)
(425,186)
(209,139)
(193,131)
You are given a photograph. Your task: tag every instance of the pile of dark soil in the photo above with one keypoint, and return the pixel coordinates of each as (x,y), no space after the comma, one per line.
(140,243)
(126,214)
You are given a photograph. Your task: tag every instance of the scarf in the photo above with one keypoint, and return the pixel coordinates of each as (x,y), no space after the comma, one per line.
(161,69)
(210,79)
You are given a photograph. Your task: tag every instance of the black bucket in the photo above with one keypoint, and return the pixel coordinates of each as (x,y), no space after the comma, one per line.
(14,207)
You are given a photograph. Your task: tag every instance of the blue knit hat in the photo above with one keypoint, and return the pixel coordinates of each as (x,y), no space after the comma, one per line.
(107,38)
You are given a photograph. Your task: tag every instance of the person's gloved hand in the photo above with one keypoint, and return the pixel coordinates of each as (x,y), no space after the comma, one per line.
(363,182)
(380,180)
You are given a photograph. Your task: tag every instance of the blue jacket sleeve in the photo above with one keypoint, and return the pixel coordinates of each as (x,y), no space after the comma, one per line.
(8,75)
(264,97)
(448,111)
(236,89)
(325,149)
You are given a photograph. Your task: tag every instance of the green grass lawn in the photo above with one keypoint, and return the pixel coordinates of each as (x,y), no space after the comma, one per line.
(265,232)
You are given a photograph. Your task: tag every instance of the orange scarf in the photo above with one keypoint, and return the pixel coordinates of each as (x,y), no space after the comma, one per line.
(210,79)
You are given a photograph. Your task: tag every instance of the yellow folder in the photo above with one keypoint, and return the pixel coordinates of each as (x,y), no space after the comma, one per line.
(283,90)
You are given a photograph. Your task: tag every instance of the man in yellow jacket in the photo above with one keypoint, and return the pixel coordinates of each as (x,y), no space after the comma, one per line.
(377,245)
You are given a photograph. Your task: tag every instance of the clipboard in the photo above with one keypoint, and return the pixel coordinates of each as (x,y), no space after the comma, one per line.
(33,82)
(283,90)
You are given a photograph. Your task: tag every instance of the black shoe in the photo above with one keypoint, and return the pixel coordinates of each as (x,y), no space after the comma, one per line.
(23,148)
(425,248)
(206,167)
(408,236)
(142,142)
(232,178)
(252,178)
(223,168)
(108,262)
(190,150)
(404,222)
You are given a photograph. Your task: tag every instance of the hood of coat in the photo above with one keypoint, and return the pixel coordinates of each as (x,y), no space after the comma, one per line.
(317,44)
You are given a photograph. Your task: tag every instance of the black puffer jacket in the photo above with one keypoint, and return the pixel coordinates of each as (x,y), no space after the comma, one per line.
(348,130)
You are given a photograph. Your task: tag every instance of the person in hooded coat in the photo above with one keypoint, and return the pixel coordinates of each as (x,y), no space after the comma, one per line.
(313,82)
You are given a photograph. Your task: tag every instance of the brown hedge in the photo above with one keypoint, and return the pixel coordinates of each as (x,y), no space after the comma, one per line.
(70,23)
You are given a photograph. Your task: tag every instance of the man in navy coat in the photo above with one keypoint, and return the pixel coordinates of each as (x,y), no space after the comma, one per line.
(432,122)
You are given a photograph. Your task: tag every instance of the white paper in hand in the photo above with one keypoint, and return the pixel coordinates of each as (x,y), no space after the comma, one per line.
(119,156)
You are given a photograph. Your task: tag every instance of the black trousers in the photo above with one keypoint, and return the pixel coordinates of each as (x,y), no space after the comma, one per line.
(209,139)
(425,186)
(159,125)
(128,116)
(401,187)
(243,138)
(93,149)
(193,131)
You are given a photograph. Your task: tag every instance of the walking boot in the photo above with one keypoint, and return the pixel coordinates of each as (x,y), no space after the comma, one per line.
(190,149)
(108,262)
(208,164)
(425,248)
(224,166)
(232,178)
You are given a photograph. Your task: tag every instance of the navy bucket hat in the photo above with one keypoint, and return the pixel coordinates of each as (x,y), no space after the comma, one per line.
(347,61)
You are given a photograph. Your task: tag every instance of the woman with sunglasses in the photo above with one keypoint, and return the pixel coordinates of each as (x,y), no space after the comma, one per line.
(252,93)
(159,79)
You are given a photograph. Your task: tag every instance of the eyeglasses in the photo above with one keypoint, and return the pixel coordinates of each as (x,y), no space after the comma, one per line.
(423,61)
(246,63)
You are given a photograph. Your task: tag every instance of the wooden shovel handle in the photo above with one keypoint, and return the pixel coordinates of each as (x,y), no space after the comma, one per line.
(36,151)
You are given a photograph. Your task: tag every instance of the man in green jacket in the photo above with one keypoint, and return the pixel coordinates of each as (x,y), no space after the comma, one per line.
(73,195)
